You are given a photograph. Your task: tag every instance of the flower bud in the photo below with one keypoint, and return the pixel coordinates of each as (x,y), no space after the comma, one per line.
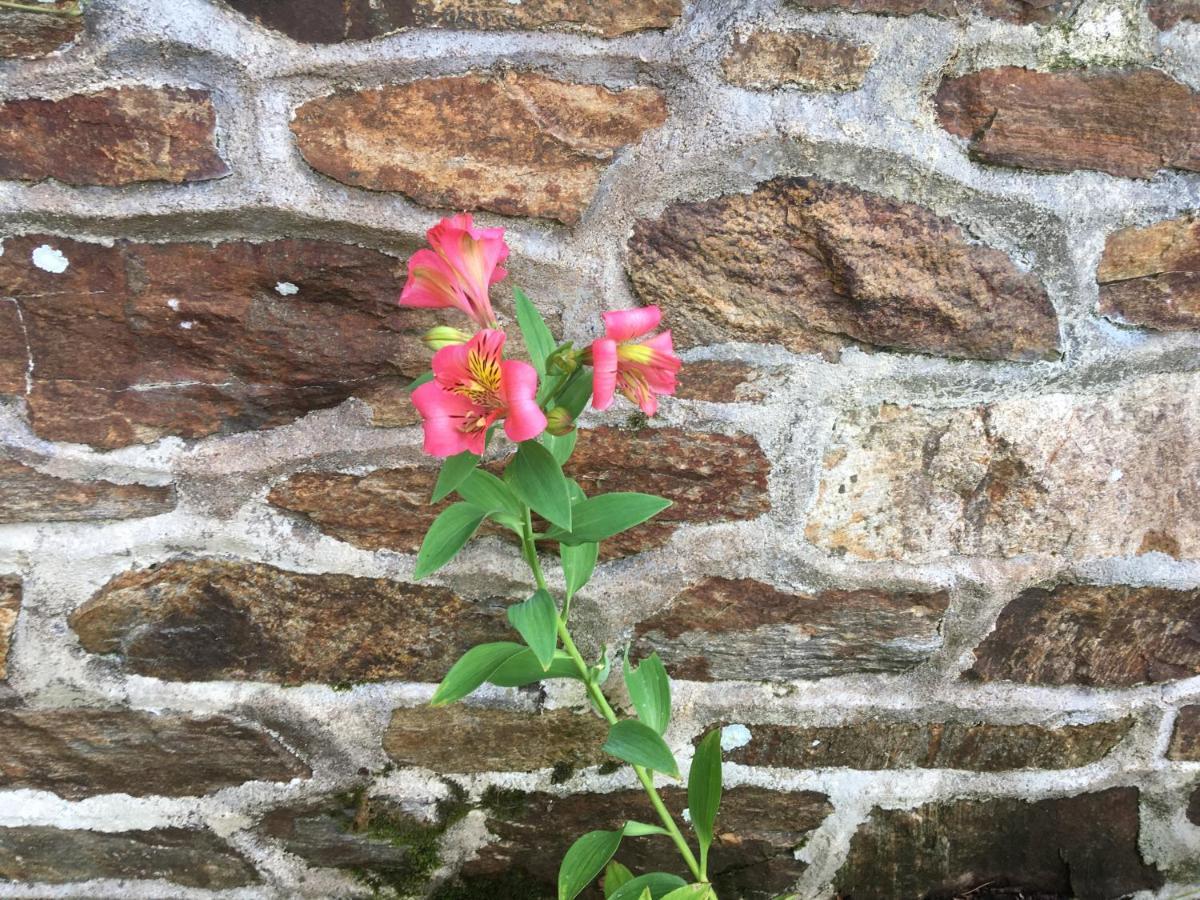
(563,361)
(444,336)
(559,421)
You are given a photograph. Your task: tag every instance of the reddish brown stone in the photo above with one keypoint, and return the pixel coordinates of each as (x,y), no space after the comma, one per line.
(32,33)
(192,620)
(112,137)
(200,339)
(1082,846)
(10,606)
(517,144)
(752,856)
(1151,276)
(1185,741)
(199,859)
(741,629)
(466,739)
(721,381)
(1169,13)
(975,747)
(707,477)
(1022,12)
(1093,635)
(334,21)
(27,495)
(1126,123)
(771,59)
(1193,808)
(815,265)
(80,753)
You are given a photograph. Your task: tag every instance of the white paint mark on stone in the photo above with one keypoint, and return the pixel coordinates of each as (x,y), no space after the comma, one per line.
(186,326)
(51,260)
(1115,475)
(173,303)
(734,736)
(286,289)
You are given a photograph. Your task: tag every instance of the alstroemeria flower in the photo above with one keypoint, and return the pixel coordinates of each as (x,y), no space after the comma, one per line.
(457,272)
(640,369)
(472,387)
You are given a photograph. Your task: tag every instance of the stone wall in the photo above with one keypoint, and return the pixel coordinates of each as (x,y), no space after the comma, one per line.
(934,558)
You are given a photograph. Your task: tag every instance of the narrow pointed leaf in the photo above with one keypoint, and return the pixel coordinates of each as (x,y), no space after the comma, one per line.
(423,378)
(601,517)
(657,884)
(447,535)
(537,621)
(650,691)
(454,472)
(537,479)
(578,562)
(472,669)
(538,339)
(483,489)
(704,789)
(562,447)
(641,829)
(615,875)
(641,745)
(691,892)
(577,394)
(585,860)
(523,668)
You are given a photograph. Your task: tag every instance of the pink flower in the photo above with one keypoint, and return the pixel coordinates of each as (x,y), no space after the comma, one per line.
(457,272)
(641,369)
(473,387)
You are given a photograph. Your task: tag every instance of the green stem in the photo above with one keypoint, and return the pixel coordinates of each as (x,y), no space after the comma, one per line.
(607,712)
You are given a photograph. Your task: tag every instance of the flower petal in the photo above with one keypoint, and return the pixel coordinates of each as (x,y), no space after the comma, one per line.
(431,284)
(450,367)
(604,372)
(626,324)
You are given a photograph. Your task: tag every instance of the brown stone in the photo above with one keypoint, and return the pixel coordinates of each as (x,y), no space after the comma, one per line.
(334,21)
(193,620)
(1082,846)
(10,606)
(1169,13)
(112,137)
(200,339)
(1021,12)
(80,753)
(182,856)
(757,830)
(1193,808)
(518,144)
(1151,276)
(465,739)
(390,401)
(27,495)
(1126,123)
(815,265)
(742,629)
(975,747)
(29,34)
(1185,741)
(721,381)
(1109,474)
(766,60)
(1093,635)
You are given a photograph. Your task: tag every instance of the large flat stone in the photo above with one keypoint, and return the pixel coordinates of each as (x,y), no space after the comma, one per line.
(10,606)
(1021,12)
(78,753)
(767,60)
(816,265)
(1085,475)
(1169,13)
(726,628)
(29,34)
(1093,635)
(27,495)
(112,137)
(1150,276)
(1185,740)
(519,144)
(196,620)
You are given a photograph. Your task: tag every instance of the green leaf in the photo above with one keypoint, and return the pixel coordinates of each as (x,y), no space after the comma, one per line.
(650,691)
(423,378)
(538,339)
(472,669)
(704,790)
(537,621)
(577,394)
(524,668)
(601,517)
(692,892)
(657,884)
(641,829)
(446,536)
(560,448)
(639,744)
(483,489)
(537,479)
(615,875)
(454,472)
(578,562)
(585,860)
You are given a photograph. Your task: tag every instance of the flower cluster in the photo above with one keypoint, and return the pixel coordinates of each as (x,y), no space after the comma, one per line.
(474,387)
